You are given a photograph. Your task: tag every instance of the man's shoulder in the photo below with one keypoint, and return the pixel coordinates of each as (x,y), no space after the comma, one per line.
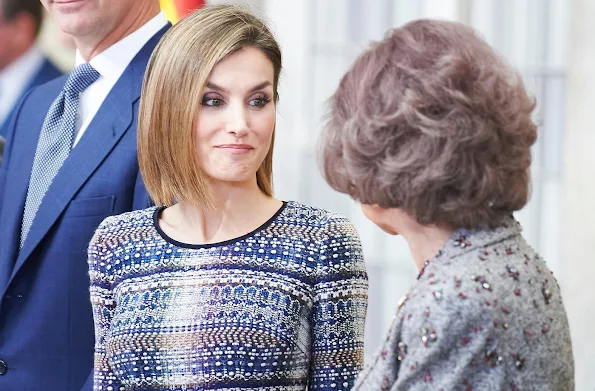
(46,92)
(47,72)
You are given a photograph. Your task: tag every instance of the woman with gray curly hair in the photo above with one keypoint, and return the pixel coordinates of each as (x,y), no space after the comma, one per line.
(431,131)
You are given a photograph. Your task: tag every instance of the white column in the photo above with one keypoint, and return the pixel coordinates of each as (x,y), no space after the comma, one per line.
(289,21)
(578,229)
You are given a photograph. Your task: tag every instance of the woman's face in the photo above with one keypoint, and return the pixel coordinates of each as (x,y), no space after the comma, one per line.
(236,120)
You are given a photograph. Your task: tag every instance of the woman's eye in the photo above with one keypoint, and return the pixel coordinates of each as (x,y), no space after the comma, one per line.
(259,102)
(212,102)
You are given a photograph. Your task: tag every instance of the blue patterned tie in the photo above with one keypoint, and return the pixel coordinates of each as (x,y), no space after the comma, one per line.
(55,140)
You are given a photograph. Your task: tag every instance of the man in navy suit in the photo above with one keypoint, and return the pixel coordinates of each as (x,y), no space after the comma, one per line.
(46,324)
(22,65)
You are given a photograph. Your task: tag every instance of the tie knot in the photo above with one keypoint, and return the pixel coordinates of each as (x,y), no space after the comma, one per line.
(80,78)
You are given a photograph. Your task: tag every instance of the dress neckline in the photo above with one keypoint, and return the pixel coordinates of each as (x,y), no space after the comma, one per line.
(177,243)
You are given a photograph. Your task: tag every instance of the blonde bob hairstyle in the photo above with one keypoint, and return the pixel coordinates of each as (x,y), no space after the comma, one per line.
(172,91)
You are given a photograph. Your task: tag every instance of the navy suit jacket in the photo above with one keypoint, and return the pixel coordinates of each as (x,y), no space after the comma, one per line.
(46,322)
(47,72)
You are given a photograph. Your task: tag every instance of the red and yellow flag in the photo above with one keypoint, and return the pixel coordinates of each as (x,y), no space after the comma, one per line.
(177,9)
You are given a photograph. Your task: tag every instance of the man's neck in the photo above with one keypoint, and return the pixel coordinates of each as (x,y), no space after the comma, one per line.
(89,47)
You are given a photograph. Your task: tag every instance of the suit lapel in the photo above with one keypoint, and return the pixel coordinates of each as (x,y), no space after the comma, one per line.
(110,123)
(24,144)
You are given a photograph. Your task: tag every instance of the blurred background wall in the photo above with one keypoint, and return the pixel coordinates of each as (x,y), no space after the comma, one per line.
(57,45)
(551,42)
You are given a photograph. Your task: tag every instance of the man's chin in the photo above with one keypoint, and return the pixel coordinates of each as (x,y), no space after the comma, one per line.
(74,26)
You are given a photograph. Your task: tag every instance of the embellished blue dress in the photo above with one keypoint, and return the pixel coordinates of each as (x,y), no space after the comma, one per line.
(281,308)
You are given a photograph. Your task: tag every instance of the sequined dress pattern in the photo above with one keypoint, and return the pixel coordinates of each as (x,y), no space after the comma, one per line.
(281,308)
(485,314)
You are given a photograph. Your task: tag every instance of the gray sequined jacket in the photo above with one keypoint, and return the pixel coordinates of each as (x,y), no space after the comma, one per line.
(485,314)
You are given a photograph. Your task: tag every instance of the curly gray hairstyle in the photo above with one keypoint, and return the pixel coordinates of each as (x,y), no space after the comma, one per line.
(432,121)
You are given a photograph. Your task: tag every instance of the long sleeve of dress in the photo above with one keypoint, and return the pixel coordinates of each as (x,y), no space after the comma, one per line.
(102,301)
(340,309)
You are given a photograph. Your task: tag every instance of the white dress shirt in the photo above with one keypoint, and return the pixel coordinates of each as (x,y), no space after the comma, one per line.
(16,77)
(110,64)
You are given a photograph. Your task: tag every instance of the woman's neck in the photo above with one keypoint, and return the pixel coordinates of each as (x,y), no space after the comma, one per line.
(239,208)
(425,241)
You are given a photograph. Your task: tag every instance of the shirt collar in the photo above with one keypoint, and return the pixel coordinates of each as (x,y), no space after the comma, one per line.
(114,60)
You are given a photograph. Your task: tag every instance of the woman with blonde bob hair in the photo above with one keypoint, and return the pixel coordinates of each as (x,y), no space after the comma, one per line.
(431,131)
(222,286)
